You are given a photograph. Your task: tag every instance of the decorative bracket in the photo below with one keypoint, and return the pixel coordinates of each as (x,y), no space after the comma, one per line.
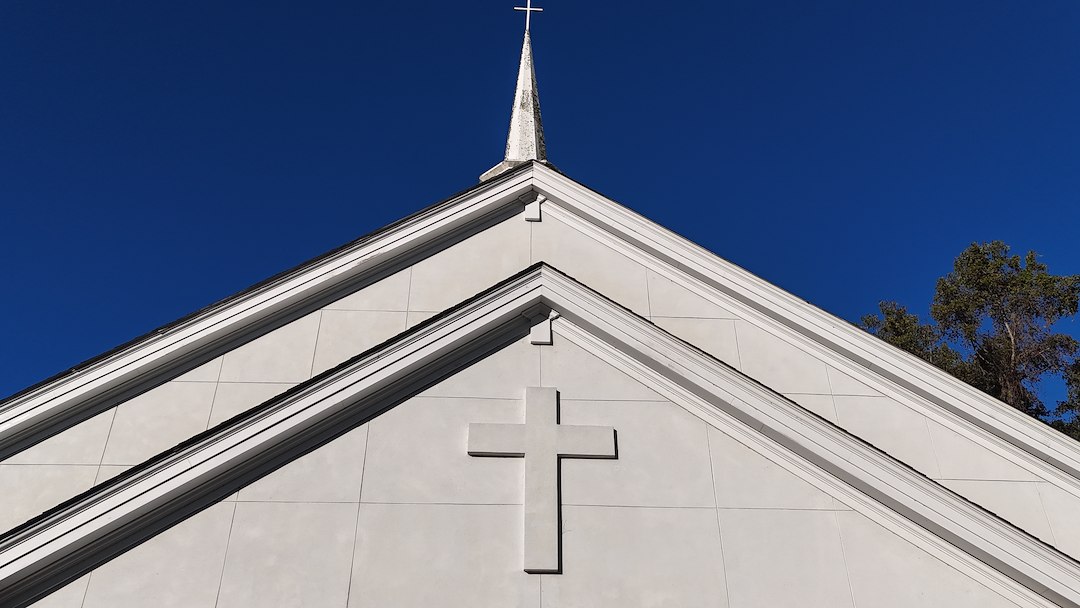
(532,210)
(541,334)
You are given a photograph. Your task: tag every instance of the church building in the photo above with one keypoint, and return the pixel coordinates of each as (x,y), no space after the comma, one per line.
(526,396)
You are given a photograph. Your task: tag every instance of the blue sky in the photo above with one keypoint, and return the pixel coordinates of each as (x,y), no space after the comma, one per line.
(156,157)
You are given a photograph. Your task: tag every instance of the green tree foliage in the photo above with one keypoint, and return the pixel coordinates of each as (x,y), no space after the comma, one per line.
(901,328)
(994,318)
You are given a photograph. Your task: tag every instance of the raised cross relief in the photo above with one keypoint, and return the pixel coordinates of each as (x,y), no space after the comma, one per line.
(541,441)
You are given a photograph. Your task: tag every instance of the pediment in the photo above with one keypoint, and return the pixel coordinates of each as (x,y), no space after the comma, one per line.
(805,352)
(814,465)
(820,361)
(221,361)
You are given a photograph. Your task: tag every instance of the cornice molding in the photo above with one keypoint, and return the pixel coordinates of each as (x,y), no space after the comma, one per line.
(36,414)
(90,529)
(892,371)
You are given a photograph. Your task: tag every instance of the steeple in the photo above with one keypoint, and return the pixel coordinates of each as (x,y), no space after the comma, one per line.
(525,140)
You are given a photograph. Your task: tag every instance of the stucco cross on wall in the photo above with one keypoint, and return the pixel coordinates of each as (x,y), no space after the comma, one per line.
(541,441)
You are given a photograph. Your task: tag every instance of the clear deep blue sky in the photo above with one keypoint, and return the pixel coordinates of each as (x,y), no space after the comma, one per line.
(156,157)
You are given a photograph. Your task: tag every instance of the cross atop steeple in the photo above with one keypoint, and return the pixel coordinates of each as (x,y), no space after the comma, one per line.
(525,141)
(529,10)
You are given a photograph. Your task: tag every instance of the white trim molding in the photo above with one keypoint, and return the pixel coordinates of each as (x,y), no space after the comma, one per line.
(79,535)
(38,413)
(992,423)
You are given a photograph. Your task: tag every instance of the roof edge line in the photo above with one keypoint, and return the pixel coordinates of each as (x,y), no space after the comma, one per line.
(1040,445)
(41,410)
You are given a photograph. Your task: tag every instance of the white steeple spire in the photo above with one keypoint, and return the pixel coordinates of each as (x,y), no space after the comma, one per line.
(525,140)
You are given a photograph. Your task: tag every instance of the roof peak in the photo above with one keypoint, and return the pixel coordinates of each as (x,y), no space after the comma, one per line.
(525,140)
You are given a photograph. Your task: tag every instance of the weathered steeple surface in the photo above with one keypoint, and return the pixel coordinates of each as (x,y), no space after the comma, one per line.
(525,141)
(526,138)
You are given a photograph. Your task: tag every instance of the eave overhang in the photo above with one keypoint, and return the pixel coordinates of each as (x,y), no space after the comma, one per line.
(75,537)
(70,397)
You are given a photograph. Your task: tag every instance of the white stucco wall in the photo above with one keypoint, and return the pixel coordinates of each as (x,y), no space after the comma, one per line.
(396,513)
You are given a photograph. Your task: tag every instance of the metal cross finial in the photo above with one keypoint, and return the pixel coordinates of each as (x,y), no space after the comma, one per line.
(529,10)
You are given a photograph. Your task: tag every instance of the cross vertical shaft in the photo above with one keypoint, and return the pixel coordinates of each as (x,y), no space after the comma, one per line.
(541,481)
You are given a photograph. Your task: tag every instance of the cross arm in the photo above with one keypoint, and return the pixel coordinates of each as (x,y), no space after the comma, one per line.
(586,441)
(497,440)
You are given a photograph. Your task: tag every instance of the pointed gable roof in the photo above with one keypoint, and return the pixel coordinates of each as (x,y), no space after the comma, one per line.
(73,396)
(535,191)
(88,530)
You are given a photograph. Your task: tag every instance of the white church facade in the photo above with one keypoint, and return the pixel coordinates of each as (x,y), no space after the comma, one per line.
(527,396)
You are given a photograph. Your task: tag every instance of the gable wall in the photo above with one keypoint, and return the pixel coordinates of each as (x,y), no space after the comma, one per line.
(962,458)
(395,513)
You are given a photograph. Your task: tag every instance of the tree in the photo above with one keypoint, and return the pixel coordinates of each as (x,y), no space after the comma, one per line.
(994,316)
(901,328)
